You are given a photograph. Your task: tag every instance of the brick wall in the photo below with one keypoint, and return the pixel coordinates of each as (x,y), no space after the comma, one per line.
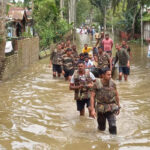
(26,54)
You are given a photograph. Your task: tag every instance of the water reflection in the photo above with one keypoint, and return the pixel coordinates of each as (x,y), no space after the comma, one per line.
(38,112)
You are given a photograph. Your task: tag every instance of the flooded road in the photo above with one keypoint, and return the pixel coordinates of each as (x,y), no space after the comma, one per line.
(39,113)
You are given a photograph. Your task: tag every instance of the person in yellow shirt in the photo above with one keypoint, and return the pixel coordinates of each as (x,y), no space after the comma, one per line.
(86,49)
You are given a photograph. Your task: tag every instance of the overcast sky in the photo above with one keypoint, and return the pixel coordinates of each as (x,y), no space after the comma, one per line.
(17,0)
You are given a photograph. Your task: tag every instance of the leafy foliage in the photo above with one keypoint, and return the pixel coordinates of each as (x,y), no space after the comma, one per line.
(48,24)
(122,14)
(146,17)
(83,11)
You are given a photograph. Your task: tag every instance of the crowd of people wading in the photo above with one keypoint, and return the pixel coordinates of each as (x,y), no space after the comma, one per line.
(90,75)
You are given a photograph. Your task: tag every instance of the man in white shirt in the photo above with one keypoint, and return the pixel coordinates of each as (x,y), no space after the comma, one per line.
(81,82)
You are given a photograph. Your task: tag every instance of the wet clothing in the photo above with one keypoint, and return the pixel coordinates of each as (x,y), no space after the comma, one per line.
(128,49)
(82,96)
(75,54)
(125,70)
(84,80)
(68,73)
(76,58)
(67,62)
(57,68)
(101,119)
(56,56)
(122,56)
(81,104)
(107,43)
(105,96)
(103,60)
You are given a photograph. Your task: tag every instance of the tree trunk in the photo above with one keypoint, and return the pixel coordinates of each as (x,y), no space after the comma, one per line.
(123,6)
(61,8)
(141,25)
(133,24)
(2,29)
(72,15)
(105,19)
(72,10)
(2,34)
(32,5)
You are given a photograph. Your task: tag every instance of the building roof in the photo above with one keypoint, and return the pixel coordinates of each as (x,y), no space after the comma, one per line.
(29,13)
(16,13)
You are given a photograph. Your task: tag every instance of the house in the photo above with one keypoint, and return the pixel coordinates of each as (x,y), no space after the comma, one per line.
(19,21)
(146,25)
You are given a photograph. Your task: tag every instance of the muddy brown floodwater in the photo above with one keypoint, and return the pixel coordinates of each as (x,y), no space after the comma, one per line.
(38,112)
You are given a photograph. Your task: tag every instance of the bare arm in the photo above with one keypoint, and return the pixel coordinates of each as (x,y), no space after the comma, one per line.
(50,63)
(92,102)
(74,87)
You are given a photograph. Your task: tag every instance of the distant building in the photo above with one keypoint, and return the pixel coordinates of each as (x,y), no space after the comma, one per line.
(146,26)
(19,21)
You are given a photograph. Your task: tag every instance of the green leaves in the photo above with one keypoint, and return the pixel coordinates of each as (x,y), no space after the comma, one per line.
(83,11)
(48,24)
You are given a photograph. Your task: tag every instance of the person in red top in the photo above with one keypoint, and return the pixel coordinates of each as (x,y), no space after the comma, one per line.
(107,44)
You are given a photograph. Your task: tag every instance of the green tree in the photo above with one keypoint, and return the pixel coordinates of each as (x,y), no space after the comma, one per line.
(103,5)
(48,24)
(83,11)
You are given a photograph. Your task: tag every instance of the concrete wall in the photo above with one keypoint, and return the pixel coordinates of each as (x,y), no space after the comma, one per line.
(27,53)
(146,30)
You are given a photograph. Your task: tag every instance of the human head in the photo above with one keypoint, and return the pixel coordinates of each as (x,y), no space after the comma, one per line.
(73,47)
(86,59)
(69,51)
(62,45)
(124,43)
(102,34)
(107,36)
(106,74)
(100,49)
(86,54)
(59,46)
(68,42)
(117,46)
(81,56)
(81,66)
(85,46)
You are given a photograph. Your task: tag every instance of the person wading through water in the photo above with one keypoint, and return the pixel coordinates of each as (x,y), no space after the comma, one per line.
(68,64)
(81,82)
(104,92)
(124,63)
(55,61)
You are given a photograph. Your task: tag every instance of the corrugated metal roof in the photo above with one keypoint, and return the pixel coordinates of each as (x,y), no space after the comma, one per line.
(16,13)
